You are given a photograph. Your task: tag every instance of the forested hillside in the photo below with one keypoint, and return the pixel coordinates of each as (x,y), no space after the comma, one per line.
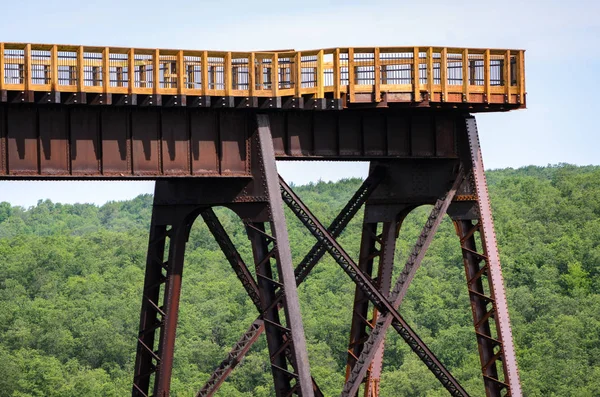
(71,278)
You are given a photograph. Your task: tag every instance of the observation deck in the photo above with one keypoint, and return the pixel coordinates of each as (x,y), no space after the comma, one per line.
(474,80)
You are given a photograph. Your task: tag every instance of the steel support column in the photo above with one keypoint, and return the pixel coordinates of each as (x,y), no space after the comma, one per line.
(284,339)
(361,323)
(162,276)
(485,283)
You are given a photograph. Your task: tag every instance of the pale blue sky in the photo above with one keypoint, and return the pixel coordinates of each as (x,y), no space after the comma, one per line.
(562,62)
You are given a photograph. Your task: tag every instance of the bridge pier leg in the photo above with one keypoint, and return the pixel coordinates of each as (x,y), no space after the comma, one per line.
(177,203)
(381,246)
(163,276)
(474,223)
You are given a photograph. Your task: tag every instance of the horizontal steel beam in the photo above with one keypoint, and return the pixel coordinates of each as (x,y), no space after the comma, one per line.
(86,142)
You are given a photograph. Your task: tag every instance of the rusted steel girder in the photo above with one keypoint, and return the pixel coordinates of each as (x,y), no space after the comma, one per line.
(375,340)
(485,284)
(382,304)
(301,272)
(119,143)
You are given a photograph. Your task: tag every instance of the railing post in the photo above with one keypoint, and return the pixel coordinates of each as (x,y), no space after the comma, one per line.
(27,72)
(227,72)
(377,74)
(351,75)
(430,73)
(80,70)
(275,75)
(521,77)
(180,72)
(205,73)
(506,76)
(54,68)
(465,75)
(416,77)
(320,76)
(337,82)
(251,74)
(131,71)
(486,75)
(106,70)
(444,74)
(1,66)
(156,72)
(298,69)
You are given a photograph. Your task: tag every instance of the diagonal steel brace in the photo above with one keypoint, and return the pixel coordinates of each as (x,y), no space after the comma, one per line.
(301,272)
(397,295)
(382,304)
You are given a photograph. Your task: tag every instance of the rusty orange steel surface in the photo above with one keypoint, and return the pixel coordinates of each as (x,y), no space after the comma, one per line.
(429,76)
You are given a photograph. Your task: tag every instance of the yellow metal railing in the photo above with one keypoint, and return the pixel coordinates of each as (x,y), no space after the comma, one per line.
(444,74)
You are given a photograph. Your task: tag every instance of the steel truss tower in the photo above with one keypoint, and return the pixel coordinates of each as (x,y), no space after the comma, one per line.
(456,187)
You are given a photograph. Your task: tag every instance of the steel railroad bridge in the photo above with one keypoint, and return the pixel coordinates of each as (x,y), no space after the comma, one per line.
(208,127)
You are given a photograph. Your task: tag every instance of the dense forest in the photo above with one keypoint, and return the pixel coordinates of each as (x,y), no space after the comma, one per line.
(71,278)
